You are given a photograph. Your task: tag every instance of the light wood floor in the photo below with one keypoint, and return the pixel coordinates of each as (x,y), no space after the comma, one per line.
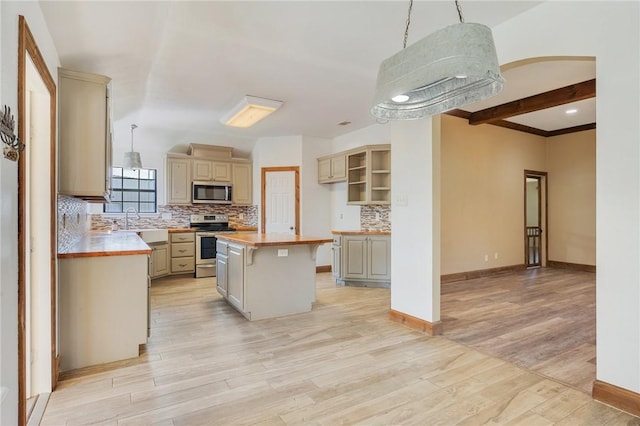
(541,319)
(343,363)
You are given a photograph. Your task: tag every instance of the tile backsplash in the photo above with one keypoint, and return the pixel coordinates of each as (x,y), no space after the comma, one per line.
(370,221)
(179,217)
(73,221)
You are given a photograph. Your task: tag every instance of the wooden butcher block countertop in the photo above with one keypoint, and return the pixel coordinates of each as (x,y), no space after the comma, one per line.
(361,232)
(180,230)
(273,239)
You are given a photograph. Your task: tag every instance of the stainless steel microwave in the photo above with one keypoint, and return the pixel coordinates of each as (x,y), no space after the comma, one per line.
(211,193)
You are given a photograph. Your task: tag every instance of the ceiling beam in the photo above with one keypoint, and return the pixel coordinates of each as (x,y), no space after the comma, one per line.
(522,128)
(500,123)
(574,129)
(561,96)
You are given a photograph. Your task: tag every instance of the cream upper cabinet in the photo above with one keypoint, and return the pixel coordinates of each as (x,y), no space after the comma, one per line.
(178,181)
(220,172)
(332,169)
(206,170)
(369,175)
(242,183)
(183,169)
(84,135)
(201,170)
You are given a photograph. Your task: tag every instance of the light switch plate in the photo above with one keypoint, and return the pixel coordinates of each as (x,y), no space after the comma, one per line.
(283,252)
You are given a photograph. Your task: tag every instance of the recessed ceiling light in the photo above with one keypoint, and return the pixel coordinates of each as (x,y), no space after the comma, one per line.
(400,98)
(571,111)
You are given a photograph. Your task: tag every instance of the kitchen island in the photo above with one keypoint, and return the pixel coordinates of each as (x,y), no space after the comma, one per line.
(268,275)
(103,299)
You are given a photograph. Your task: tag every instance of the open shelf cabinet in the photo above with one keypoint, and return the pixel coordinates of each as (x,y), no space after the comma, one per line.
(369,175)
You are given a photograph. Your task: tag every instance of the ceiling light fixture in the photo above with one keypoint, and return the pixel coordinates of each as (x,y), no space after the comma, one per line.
(132,159)
(571,111)
(249,111)
(452,67)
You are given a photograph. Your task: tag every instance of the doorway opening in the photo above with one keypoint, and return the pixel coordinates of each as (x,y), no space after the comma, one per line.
(37,350)
(535,215)
(280,200)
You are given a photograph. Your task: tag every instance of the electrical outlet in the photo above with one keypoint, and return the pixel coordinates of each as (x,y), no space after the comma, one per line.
(378,216)
(166,216)
(283,252)
(486,257)
(241,215)
(495,256)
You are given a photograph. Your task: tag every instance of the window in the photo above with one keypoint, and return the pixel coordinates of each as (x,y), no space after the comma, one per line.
(132,188)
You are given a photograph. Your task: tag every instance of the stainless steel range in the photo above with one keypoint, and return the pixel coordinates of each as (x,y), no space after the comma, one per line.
(207,226)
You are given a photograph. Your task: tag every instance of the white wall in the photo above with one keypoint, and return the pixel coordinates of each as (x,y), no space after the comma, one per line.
(610,31)
(315,199)
(8,192)
(415,242)
(344,217)
(3,229)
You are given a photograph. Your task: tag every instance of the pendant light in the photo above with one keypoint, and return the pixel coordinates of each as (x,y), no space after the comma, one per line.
(452,67)
(131,158)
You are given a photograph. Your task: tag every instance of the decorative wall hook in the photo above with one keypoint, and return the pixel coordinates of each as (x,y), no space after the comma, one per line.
(13,144)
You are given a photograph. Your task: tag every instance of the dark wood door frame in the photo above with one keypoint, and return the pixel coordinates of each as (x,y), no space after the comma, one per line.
(27,46)
(545,226)
(263,193)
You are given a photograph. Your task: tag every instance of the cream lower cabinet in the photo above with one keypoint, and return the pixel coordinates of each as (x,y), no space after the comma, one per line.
(183,253)
(336,249)
(103,309)
(159,260)
(365,260)
(235,276)
(222,282)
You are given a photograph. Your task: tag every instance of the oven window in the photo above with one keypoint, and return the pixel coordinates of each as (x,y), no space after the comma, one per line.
(207,247)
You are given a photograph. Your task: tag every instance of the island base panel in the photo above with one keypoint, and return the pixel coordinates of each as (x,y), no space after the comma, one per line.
(278,285)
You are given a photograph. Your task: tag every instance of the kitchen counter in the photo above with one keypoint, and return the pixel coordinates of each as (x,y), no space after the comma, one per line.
(180,230)
(242,228)
(361,232)
(103,299)
(268,275)
(100,244)
(273,239)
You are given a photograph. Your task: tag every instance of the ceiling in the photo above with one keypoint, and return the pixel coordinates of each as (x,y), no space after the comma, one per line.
(178,66)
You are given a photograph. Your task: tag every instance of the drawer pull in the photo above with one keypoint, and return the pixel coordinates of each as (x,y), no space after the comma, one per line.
(181,251)
(182,264)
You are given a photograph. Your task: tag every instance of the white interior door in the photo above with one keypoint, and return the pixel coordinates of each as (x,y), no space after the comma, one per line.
(280,200)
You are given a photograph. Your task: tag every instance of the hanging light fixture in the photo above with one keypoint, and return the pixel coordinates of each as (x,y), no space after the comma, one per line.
(447,69)
(131,158)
